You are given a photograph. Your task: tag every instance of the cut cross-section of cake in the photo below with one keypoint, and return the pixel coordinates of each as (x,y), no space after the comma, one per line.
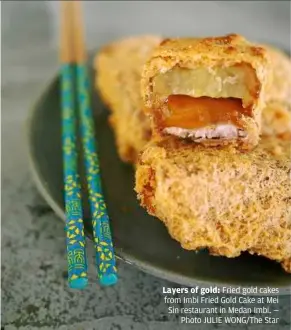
(211,90)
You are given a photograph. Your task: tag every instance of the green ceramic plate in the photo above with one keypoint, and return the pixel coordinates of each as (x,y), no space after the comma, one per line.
(139,239)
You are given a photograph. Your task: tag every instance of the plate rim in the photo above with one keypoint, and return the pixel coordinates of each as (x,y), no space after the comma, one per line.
(120,254)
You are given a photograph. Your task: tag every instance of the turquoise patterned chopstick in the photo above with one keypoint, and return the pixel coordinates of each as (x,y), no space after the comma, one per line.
(76,253)
(105,257)
(73,58)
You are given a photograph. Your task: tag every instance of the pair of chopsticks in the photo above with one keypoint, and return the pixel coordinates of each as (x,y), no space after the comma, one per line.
(73,59)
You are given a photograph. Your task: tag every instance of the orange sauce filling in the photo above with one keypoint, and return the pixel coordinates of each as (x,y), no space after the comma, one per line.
(196,112)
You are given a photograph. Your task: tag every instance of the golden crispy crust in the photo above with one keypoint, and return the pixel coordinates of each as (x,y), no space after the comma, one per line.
(118,67)
(280,88)
(276,116)
(189,53)
(219,198)
(276,119)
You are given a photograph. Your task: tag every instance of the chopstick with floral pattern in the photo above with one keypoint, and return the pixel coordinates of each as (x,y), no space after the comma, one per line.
(105,257)
(75,239)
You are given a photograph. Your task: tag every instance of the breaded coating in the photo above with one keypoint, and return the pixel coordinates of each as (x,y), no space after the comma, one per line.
(276,116)
(118,67)
(276,120)
(280,88)
(219,198)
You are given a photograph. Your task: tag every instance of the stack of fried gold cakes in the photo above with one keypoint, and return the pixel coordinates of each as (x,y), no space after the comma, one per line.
(207,124)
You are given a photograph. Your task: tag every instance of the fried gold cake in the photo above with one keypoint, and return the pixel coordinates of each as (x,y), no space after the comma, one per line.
(210,90)
(220,198)
(118,67)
